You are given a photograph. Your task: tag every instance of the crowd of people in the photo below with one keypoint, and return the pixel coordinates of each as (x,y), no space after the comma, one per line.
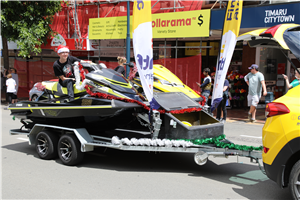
(256,89)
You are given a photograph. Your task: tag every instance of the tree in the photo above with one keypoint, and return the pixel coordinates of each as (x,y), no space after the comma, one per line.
(28,24)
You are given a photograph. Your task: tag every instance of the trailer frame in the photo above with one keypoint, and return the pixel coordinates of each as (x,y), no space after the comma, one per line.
(88,142)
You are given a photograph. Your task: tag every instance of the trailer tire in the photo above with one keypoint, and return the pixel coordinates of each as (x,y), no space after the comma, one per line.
(46,145)
(294,180)
(69,150)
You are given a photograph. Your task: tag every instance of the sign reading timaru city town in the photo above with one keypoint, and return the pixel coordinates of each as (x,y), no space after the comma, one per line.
(166,25)
(265,16)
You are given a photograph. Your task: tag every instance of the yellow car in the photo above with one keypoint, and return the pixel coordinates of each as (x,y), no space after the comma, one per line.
(281,141)
(165,81)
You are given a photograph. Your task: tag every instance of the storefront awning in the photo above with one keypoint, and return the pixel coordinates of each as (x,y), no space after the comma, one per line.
(271,37)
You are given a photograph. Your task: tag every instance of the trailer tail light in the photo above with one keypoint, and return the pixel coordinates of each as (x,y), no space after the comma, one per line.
(266,150)
(273,109)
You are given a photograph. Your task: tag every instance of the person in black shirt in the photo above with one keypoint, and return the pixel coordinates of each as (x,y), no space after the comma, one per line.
(222,105)
(64,71)
(206,85)
(120,68)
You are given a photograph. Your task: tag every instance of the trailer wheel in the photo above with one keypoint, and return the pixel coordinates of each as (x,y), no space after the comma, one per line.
(69,150)
(46,145)
(294,182)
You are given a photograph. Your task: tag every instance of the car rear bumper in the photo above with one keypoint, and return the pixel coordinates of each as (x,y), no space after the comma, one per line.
(275,173)
(282,164)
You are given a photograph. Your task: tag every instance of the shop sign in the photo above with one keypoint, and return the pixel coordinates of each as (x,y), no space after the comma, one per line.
(112,43)
(280,80)
(262,16)
(82,53)
(278,15)
(113,48)
(114,53)
(270,85)
(165,25)
(73,44)
(108,48)
(93,45)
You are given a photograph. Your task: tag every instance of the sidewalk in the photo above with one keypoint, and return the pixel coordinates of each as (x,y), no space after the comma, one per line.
(241,115)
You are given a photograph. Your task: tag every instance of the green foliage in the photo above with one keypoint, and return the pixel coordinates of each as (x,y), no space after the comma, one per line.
(28,23)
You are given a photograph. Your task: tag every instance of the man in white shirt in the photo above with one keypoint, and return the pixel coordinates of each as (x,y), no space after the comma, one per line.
(256,83)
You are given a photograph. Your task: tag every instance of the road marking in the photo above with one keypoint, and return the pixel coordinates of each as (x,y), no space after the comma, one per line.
(251,136)
(25,139)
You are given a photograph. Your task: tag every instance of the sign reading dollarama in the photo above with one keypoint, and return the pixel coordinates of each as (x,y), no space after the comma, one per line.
(165,25)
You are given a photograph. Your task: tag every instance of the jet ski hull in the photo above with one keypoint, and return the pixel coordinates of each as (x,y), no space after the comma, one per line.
(102,113)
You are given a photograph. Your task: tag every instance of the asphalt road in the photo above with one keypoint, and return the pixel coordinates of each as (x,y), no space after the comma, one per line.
(114,174)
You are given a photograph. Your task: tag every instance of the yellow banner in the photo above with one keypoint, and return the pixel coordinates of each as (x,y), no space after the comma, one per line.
(231,30)
(233,17)
(139,10)
(165,25)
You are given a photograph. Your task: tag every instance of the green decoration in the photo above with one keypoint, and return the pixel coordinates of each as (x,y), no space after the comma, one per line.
(218,143)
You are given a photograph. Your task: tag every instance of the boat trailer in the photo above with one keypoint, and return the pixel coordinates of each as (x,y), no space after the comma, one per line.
(88,142)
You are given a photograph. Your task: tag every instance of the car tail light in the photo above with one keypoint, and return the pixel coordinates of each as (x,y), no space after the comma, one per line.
(273,109)
(266,150)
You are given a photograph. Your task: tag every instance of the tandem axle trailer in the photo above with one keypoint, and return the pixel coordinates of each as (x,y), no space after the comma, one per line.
(71,143)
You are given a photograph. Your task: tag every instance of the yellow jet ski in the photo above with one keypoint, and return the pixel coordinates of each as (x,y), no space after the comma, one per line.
(166,81)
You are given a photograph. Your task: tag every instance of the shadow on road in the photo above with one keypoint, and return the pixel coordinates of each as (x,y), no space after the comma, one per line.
(246,179)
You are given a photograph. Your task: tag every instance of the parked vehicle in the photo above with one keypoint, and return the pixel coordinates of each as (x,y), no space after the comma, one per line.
(35,91)
(281,132)
(281,139)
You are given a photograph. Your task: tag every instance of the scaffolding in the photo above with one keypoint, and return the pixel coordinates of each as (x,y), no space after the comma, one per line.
(77,34)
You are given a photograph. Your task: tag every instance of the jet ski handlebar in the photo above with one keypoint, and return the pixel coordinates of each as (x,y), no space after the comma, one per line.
(91,66)
(131,64)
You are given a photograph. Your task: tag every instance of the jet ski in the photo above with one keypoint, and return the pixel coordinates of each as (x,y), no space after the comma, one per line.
(166,81)
(54,107)
(106,101)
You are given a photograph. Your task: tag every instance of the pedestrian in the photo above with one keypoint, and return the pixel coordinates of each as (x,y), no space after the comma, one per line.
(295,82)
(64,71)
(222,105)
(15,76)
(120,68)
(206,85)
(256,82)
(10,88)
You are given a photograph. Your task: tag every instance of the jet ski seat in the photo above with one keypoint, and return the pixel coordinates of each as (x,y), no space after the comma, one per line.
(57,89)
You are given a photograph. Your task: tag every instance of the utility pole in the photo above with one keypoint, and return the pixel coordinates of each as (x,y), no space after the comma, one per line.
(128,39)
